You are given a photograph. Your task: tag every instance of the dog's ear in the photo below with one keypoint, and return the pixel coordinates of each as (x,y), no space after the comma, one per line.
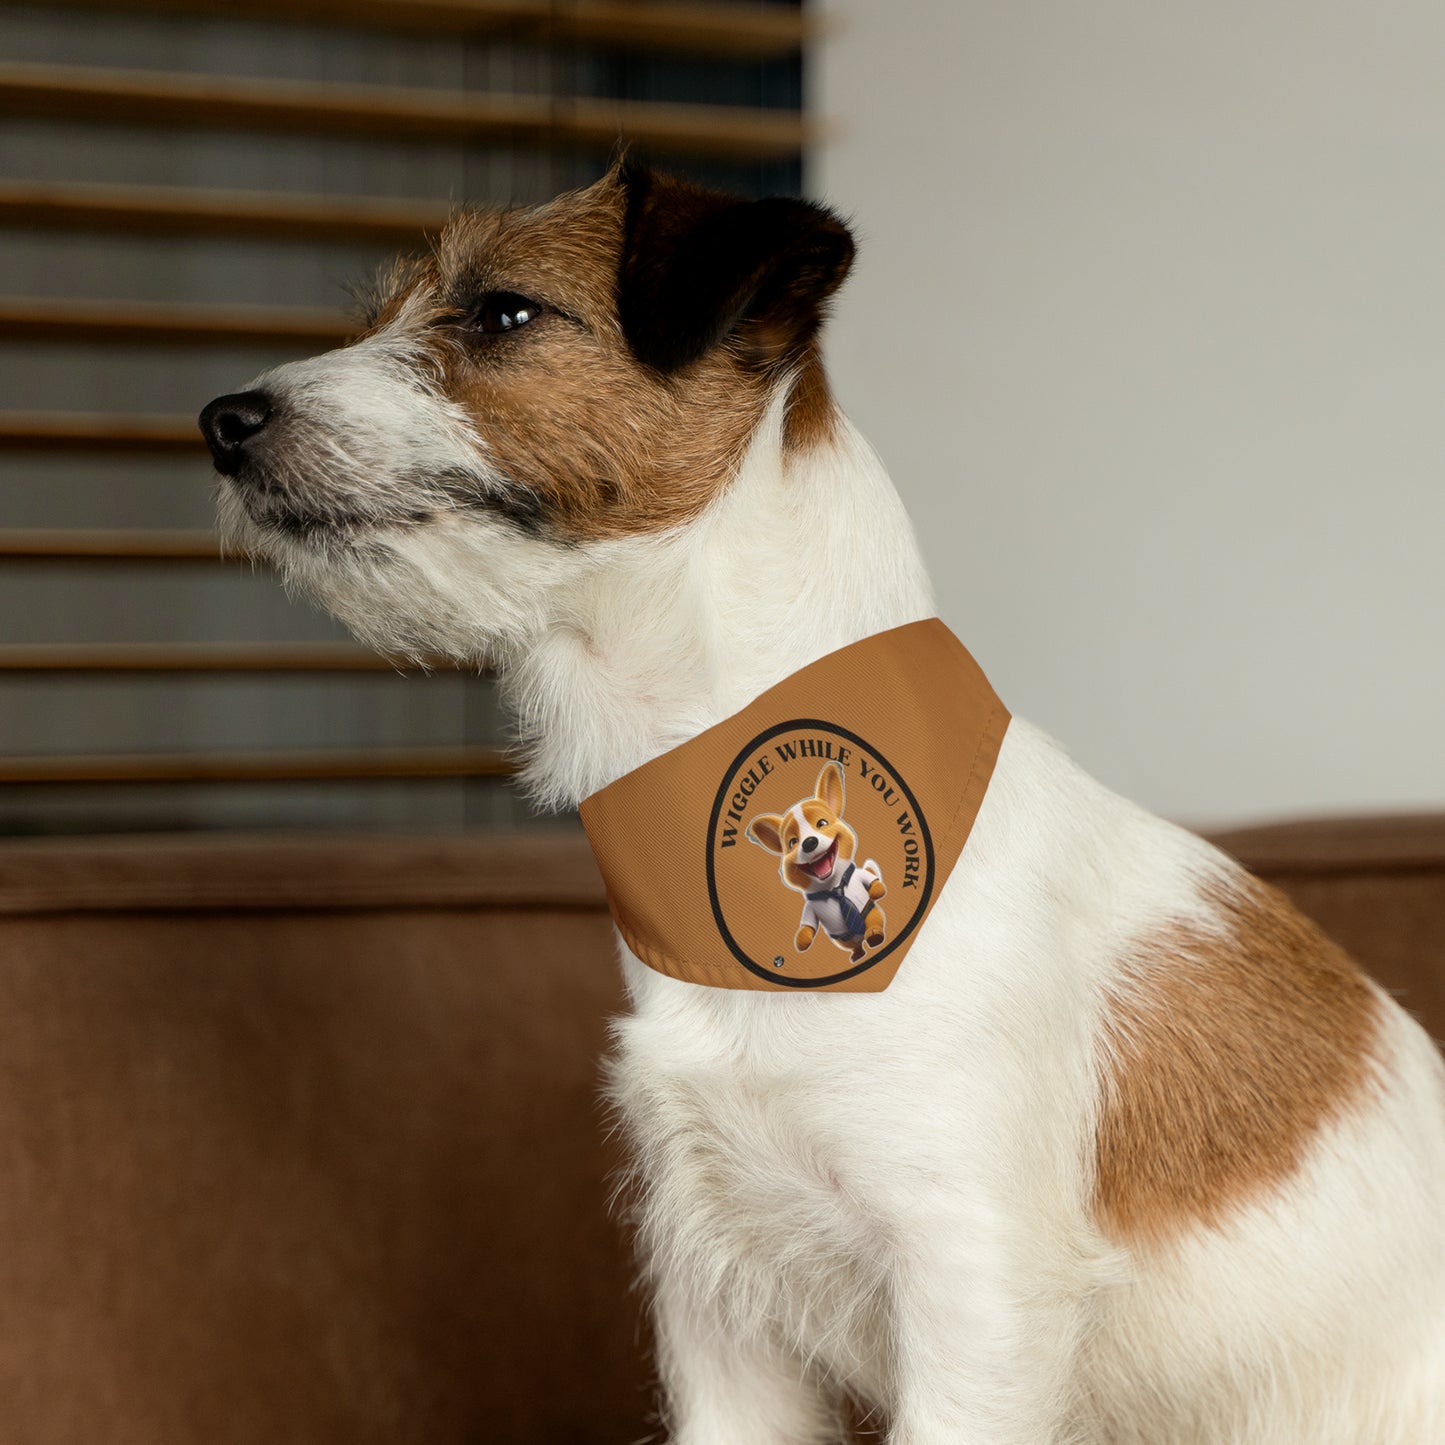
(766,830)
(830,787)
(700,266)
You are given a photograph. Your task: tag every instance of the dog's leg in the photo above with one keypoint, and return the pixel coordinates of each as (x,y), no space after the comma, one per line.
(874,926)
(982,1357)
(720,1389)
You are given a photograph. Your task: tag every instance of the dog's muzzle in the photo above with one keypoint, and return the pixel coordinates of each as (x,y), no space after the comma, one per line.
(230,422)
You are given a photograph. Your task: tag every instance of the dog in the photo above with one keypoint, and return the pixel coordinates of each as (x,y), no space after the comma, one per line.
(1127,1153)
(816,849)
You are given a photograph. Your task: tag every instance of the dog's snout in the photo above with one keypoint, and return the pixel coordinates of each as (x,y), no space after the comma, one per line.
(809,844)
(229,422)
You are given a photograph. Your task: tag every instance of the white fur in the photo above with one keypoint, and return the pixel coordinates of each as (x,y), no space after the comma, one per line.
(890,1193)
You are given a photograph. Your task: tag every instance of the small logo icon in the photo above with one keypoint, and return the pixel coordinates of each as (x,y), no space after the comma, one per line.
(807,824)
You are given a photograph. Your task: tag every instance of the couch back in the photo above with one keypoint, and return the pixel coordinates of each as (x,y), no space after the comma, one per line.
(303,1141)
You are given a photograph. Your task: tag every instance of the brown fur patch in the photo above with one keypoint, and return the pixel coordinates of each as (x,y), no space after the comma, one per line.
(1226,1054)
(812,413)
(607,446)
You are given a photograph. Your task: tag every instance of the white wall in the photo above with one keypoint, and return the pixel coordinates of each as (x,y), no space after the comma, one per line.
(1149,324)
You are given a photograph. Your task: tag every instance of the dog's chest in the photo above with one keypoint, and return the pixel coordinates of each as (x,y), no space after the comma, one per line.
(746,1184)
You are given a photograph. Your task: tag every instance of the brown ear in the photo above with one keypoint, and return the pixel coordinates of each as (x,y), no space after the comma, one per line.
(699,266)
(830,786)
(766,830)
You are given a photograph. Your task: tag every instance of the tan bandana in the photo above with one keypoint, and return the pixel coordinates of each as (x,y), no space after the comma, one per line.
(800,843)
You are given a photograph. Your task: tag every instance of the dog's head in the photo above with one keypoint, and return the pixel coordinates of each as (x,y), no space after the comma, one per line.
(813,843)
(547,382)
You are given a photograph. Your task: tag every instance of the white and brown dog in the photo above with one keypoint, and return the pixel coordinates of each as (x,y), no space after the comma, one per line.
(1127,1152)
(815,850)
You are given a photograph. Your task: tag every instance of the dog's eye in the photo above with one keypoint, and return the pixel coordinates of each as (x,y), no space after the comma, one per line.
(792,842)
(504,311)
(822,822)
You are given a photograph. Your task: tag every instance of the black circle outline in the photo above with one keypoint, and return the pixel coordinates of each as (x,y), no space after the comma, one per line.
(737,762)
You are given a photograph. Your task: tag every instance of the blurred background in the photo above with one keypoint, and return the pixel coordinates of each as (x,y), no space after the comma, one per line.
(1146,323)
(187,191)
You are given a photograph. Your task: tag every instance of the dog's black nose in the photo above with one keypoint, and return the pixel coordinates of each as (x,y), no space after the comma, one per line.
(809,844)
(229,422)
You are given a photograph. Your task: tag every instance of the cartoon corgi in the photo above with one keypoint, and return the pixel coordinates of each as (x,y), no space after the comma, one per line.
(816,848)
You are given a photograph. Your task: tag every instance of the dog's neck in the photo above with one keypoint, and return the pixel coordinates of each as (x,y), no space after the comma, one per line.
(803,554)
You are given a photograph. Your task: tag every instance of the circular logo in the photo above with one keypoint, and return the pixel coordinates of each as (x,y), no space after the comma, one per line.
(819,859)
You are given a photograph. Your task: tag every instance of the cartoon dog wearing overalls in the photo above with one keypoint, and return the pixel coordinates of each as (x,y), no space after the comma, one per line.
(816,849)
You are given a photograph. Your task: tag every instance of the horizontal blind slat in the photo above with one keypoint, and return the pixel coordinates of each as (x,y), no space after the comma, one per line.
(218,102)
(96,544)
(165,657)
(179,210)
(171,323)
(85,431)
(710,28)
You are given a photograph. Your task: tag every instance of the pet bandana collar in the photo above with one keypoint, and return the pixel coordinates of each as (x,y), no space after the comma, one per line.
(800,843)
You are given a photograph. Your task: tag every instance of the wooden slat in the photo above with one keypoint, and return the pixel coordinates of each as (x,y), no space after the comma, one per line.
(712,29)
(133,657)
(175,211)
(259,767)
(75,544)
(171,323)
(78,431)
(219,102)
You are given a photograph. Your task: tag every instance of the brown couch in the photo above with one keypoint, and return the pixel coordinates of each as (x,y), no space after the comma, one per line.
(301,1139)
